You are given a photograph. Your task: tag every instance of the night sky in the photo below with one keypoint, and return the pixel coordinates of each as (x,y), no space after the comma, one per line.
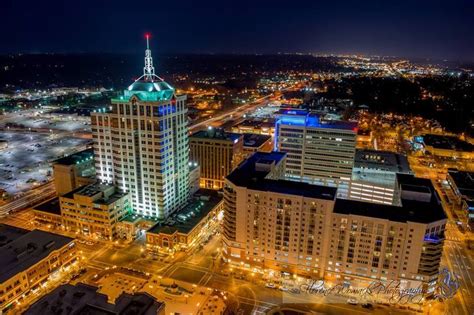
(415,28)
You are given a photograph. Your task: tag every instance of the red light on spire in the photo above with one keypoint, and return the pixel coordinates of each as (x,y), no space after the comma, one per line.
(147,36)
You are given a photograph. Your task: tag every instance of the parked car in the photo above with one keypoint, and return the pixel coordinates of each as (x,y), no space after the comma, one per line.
(367,305)
(352,301)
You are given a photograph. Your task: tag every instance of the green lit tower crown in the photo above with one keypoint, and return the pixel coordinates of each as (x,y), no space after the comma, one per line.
(141,144)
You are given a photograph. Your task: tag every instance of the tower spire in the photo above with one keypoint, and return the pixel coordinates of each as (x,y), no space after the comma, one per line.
(148,70)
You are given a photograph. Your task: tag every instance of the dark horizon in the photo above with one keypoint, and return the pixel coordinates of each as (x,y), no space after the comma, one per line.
(426,29)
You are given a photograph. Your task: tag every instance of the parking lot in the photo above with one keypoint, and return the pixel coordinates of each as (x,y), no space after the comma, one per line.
(25,163)
(35,120)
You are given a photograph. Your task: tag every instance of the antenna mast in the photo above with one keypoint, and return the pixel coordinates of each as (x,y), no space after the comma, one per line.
(148,70)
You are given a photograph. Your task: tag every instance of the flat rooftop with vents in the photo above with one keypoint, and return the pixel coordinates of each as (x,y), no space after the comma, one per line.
(419,203)
(99,193)
(82,299)
(76,158)
(23,249)
(252,175)
(184,220)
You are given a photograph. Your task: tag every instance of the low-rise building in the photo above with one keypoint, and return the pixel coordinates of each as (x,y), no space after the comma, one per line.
(256,143)
(128,228)
(28,258)
(364,138)
(94,210)
(84,299)
(462,184)
(256,126)
(447,146)
(189,225)
(74,171)
(48,213)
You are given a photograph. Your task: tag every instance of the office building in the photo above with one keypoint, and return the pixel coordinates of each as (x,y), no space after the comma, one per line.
(94,210)
(319,151)
(141,144)
(74,171)
(27,259)
(217,153)
(374,176)
(84,299)
(301,228)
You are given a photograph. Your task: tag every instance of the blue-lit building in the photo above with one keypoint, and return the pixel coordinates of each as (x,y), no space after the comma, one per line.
(141,145)
(318,151)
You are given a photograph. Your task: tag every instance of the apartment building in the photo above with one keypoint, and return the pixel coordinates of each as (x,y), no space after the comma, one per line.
(301,228)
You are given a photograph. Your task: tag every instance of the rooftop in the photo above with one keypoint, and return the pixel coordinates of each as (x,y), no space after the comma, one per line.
(303,118)
(9,233)
(51,206)
(27,249)
(411,210)
(255,140)
(216,133)
(447,143)
(254,123)
(77,158)
(82,299)
(382,160)
(149,90)
(184,220)
(247,174)
(149,87)
(107,194)
(464,182)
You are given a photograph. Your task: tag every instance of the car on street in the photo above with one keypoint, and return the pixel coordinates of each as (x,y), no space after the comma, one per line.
(352,301)
(367,305)
(270,285)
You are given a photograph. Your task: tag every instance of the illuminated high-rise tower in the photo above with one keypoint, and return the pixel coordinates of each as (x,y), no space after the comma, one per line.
(141,144)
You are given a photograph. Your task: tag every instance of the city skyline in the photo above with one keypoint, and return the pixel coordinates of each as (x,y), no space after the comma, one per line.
(368,28)
(236,184)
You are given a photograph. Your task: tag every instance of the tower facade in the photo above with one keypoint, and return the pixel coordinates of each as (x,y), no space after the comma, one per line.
(319,151)
(141,144)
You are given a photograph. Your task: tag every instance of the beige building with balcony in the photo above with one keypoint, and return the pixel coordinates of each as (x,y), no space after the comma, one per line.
(304,229)
(94,210)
